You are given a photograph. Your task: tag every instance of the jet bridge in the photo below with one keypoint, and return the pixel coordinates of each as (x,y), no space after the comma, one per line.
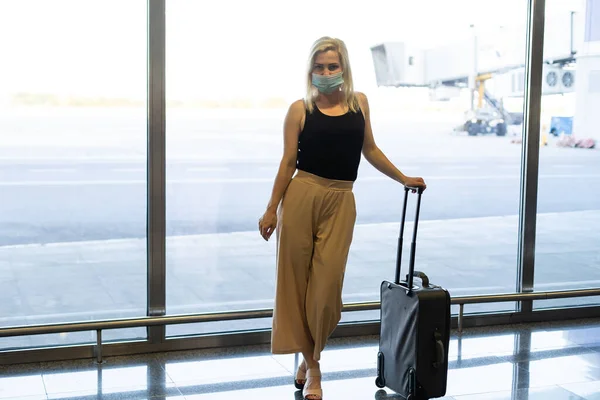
(496,54)
(490,62)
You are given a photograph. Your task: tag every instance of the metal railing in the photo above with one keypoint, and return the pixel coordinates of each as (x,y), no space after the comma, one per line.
(101,325)
(499,298)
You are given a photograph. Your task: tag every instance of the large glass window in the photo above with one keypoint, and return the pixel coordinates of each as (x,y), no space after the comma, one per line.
(568,220)
(72,165)
(231,77)
(225,107)
(448,106)
(446,97)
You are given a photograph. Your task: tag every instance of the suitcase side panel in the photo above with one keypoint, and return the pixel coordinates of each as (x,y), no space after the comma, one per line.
(434,317)
(398,338)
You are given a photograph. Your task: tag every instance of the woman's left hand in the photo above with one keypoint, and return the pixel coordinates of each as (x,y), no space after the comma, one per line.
(417,182)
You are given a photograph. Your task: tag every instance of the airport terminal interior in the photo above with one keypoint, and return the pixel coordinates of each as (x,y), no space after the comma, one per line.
(139,143)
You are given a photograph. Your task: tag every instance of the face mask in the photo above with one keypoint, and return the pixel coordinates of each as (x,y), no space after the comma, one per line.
(327,83)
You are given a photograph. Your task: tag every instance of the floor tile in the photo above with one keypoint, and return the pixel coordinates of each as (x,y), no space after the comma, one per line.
(118,396)
(589,336)
(30,386)
(354,389)
(186,373)
(587,390)
(82,383)
(122,396)
(507,344)
(336,360)
(481,379)
(548,393)
(133,381)
(461,348)
(563,370)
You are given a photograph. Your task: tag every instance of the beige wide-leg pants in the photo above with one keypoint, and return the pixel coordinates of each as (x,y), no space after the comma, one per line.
(314,232)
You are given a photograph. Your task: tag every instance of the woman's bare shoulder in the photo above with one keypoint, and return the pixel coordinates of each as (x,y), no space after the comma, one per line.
(363,103)
(362,98)
(298,106)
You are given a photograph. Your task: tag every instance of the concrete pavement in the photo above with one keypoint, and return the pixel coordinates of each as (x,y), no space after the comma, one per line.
(84,201)
(233,271)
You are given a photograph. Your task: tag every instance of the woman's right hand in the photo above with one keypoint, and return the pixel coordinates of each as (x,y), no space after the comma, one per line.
(267,224)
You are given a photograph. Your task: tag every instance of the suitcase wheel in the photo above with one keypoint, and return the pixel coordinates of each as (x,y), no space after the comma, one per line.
(380,381)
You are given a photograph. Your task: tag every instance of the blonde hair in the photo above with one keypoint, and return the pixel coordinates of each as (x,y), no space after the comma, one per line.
(321,45)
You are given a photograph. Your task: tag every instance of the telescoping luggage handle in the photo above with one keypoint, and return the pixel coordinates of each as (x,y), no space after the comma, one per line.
(413,244)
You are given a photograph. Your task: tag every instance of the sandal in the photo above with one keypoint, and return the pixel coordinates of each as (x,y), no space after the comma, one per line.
(313,394)
(300,378)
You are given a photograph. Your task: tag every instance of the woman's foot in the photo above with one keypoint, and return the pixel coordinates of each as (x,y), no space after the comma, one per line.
(312,388)
(300,378)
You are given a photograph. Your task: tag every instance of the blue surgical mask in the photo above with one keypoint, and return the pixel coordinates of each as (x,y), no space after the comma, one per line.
(327,83)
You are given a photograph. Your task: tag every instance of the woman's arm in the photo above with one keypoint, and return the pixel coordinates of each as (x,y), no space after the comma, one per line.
(291,130)
(376,157)
(287,166)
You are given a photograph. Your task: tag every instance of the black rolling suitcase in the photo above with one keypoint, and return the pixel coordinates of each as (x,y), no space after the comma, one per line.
(415,329)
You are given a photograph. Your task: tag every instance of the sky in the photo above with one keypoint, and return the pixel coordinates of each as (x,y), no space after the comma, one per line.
(232,48)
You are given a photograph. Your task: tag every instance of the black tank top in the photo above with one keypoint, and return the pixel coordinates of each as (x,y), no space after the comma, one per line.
(330,146)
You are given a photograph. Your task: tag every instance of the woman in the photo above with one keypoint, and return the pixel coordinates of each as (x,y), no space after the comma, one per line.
(324,136)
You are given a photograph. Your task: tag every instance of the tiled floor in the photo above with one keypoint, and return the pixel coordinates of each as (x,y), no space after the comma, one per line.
(535,362)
